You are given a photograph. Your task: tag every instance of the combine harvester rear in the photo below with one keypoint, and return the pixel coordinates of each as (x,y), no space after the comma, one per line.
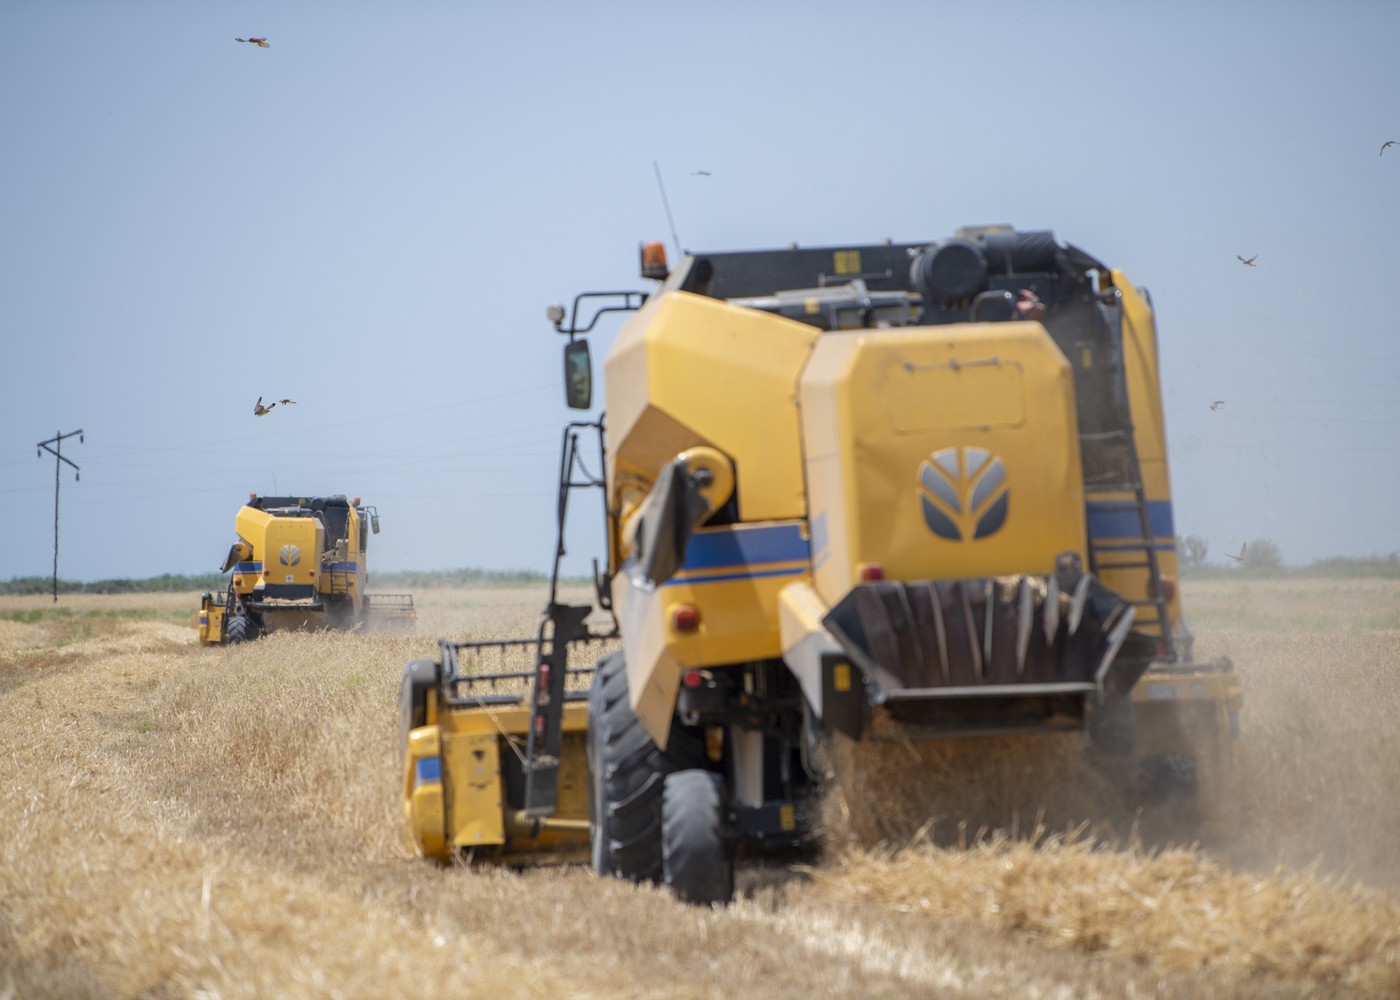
(911,491)
(299,562)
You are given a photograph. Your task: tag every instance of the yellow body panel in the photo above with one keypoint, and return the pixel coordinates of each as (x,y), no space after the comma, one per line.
(424,813)
(464,805)
(288,549)
(732,575)
(671,363)
(737,601)
(211,623)
(879,410)
(473,761)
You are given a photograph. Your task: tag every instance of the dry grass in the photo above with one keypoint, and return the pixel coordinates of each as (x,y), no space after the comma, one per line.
(1171,910)
(178,822)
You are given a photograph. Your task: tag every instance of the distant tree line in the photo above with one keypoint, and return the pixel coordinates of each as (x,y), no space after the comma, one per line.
(218,582)
(165,583)
(458,578)
(1262,557)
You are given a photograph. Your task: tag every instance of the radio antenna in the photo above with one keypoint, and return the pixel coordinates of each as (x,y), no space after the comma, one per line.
(667,205)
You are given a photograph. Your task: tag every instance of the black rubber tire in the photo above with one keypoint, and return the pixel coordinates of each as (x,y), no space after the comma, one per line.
(695,858)
(1168,779)
(1169,799)
(420,679)
(626,777)
(239,629)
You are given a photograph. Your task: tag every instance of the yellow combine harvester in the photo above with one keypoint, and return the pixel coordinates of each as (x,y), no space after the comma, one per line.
(299,562)
(912,491)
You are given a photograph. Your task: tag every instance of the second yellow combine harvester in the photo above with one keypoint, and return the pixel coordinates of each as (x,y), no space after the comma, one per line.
(299,562)
(911,491)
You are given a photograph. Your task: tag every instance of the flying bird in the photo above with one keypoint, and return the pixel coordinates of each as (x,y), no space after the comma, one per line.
(1385,146)
(259,42)
(1247,262)
(260,410)
(1217,404)
(699,173)
(1240,557)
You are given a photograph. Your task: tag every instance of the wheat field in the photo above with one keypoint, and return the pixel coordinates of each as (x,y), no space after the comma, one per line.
(222,823)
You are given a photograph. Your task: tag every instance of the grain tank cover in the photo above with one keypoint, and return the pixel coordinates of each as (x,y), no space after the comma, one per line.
(940,453)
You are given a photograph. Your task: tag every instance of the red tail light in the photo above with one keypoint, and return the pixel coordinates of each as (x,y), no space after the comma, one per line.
(871,572)
(692,679)
(685,618)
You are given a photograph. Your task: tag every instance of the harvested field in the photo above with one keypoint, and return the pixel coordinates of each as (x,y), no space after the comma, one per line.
(178,822)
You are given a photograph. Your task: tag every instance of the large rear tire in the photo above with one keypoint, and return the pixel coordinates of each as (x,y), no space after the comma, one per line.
(240,629)
(627,773)
(1169,797)
(1169,779)
(695,858)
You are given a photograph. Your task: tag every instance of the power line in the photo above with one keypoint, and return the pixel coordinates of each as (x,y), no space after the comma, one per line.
(57,452)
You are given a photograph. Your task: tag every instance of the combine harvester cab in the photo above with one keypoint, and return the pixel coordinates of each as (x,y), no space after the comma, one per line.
(910,491)
(299,562)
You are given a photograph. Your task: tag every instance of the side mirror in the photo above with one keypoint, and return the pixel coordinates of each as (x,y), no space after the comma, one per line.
(578,375)
(374,523)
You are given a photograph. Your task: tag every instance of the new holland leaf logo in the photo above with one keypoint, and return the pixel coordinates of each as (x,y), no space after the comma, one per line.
(964,493)
(289,555)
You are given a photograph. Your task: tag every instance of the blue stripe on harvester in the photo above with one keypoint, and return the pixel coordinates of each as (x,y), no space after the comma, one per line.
(740,546)
(1136,546)
(1108,520)
(429,770)
(748,574)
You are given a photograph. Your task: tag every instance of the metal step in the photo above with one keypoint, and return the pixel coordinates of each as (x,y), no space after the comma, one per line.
(1130,497)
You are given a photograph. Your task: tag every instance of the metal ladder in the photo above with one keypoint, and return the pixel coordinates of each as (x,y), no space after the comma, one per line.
(1130,552)
(1126,495)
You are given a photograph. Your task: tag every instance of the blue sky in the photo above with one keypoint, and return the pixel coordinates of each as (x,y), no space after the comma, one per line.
(371,215)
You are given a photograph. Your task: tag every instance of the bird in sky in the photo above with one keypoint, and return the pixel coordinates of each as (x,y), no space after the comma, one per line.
(1385,146)
(260,410)
(259,42)
(1217,404)
(699,173)
(1240,557)
(1247,261)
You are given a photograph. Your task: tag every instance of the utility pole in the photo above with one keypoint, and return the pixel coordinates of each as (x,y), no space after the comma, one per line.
(57,452)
